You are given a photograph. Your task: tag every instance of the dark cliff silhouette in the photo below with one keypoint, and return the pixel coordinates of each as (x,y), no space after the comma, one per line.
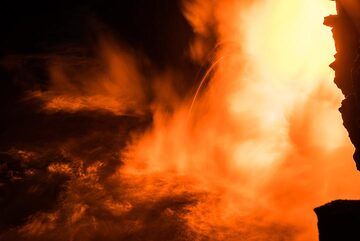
(340,220)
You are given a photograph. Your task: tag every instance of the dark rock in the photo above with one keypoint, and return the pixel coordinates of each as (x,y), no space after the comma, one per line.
(340,220)
(347,71)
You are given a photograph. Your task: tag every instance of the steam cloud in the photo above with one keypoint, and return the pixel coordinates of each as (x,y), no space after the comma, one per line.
(259,147)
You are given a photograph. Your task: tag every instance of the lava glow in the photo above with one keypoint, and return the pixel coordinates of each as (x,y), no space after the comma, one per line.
(254,153)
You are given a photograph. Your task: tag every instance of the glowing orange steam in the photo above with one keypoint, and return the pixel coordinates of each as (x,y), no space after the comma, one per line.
(259,146)
(266,132)
(114,85)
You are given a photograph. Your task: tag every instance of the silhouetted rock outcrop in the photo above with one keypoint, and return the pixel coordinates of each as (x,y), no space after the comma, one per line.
(340,220)
(347,72)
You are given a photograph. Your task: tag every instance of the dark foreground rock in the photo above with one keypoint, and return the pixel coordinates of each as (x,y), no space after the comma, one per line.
(339,221)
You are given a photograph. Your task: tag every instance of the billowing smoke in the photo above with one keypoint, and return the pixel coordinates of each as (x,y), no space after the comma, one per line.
(245,155)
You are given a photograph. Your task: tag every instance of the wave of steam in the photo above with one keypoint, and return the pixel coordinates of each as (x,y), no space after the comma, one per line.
(113,83)
(262,146)
(264,142)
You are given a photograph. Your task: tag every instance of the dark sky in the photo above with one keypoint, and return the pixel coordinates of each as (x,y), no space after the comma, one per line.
(34,30)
